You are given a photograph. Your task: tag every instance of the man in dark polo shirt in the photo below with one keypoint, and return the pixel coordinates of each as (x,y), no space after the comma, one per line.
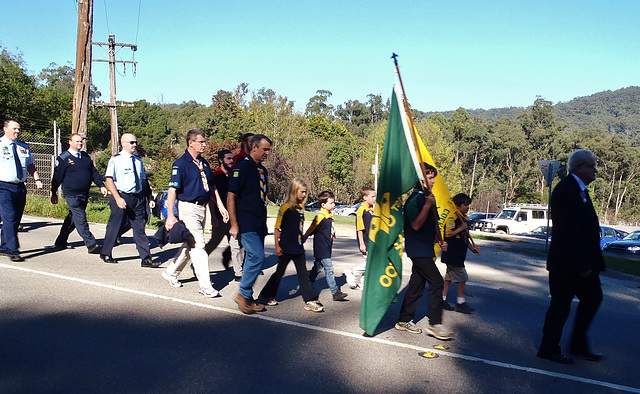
(192,185)
(247,204)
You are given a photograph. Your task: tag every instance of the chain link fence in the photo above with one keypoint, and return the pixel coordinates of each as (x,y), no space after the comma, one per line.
(44,151)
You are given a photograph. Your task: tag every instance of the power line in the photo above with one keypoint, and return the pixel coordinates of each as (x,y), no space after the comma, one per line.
(138,26)
(106,15)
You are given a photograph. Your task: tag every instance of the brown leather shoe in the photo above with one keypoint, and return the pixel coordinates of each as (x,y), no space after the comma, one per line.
(257,307)
(247,305)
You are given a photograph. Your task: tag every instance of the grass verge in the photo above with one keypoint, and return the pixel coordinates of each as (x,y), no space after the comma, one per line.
(98,210)
(623,264)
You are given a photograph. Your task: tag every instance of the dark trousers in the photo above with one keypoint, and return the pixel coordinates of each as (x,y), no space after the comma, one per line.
(76,220)
(563,288)
(306,287)
(135,214)
(217,234)
(13,197)
(423,271)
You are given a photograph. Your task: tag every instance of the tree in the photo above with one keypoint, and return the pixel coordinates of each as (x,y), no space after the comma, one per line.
(379,111)
(317,105)
(17,90)
(227,120)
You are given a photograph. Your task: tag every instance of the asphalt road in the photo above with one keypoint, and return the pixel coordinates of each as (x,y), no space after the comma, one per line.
(71,323)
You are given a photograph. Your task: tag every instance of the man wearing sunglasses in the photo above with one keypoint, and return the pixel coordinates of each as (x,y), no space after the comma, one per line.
(126,180)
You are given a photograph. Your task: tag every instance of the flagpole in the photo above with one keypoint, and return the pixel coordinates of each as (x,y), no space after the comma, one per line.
(413,137)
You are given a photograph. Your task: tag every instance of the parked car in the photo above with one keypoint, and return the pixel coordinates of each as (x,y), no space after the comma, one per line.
(474,218)
(628,244)
(347,210)
(160,209)
(517,218)
(315,206)
(608,235)
(538,232)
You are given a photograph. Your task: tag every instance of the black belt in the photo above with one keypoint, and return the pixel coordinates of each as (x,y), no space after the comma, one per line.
(198,203)
(130,194)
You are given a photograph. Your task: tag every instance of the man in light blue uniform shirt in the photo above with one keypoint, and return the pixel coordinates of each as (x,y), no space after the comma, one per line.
(15,164)
(125,178)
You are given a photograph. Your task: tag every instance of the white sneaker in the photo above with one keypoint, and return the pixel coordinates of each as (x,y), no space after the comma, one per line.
(408,326)
(440,331)
(209,293)
(351,278)
(173,281)
(313,306)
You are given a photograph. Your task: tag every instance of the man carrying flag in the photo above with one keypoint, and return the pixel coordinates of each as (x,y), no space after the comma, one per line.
(399,172)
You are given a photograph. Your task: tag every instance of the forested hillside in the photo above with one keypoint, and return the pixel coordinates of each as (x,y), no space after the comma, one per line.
(491,155)
(618,112)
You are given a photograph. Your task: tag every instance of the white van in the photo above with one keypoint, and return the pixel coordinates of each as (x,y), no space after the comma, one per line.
(517,218)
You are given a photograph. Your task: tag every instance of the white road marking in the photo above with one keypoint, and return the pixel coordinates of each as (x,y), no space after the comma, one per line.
(498,364)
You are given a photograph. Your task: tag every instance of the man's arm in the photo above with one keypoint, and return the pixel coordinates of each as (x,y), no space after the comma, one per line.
(111,185)
(56,180)
(31,168)
(231,209)
(221,208)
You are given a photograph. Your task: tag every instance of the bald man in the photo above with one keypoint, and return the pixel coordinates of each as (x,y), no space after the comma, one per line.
(126,180)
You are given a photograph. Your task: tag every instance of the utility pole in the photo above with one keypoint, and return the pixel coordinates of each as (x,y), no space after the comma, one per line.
(83,67)
(112,83)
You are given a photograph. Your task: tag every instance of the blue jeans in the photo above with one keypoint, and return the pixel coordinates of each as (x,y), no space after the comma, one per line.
(328,273)
(253,244)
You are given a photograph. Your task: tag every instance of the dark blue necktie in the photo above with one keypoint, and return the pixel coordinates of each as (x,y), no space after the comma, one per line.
(135,173)
(19,172)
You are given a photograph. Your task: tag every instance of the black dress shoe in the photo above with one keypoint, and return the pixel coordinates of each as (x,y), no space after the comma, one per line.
(586,354)
(108,259)
(93,249)
(237,278)
(148,263)
(15,257)
(556,357)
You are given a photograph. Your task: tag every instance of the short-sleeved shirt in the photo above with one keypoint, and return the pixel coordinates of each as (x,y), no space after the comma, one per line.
(456,245)
(251,212)
(121,170)
(323,232)
(289,222)
(187,179)
(8,171)
(364,215)
(418,243)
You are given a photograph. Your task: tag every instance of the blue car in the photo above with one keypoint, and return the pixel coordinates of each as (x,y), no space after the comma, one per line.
(628,244)
(160,209)
(608,235)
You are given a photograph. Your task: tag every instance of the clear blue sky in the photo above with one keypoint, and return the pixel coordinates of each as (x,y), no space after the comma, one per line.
(471,54)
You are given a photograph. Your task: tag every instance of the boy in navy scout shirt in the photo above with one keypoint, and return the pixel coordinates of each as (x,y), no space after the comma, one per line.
(355,277)
(457,239)
(323,231)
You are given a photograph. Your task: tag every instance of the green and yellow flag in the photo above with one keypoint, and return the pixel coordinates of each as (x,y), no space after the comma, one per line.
(399,172)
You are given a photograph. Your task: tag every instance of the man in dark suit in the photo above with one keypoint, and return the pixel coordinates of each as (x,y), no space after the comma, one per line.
(574,261)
